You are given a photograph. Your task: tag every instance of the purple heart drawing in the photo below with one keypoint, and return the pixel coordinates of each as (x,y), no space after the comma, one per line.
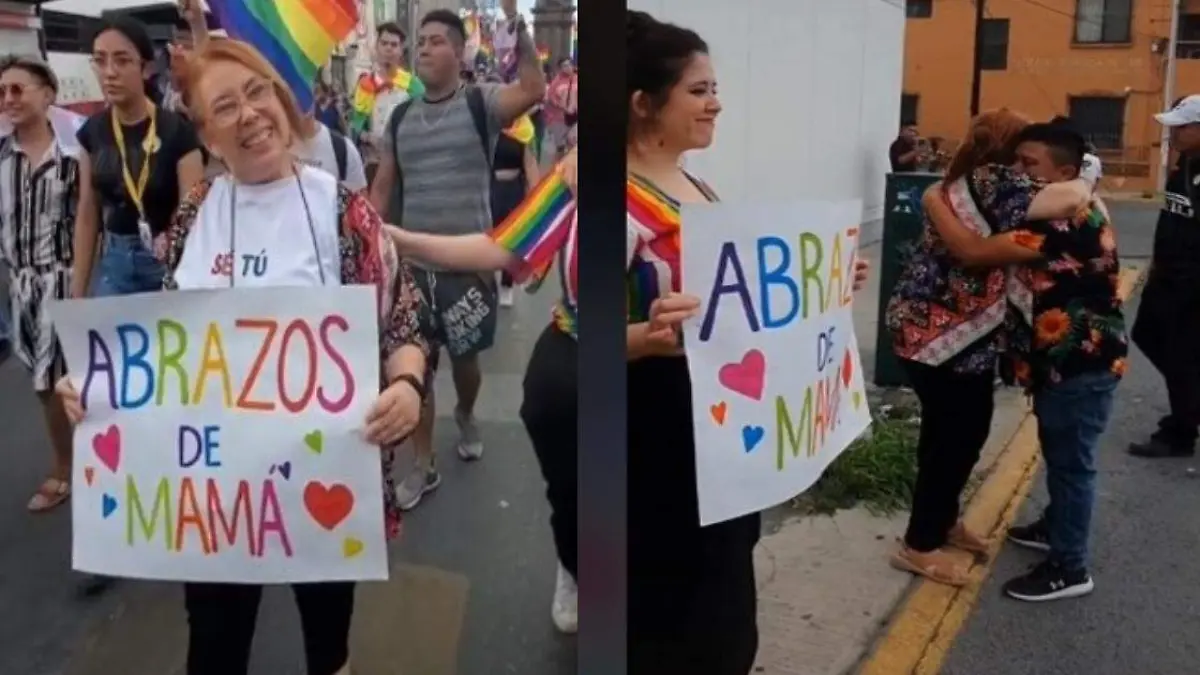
(285,470)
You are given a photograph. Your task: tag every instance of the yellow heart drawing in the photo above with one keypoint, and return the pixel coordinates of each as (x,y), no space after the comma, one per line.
(857,400)
(351,547)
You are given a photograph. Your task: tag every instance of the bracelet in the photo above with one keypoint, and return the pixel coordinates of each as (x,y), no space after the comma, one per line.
(412,381)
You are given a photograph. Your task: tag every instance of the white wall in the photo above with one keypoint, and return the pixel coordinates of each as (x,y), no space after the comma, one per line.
(811,96)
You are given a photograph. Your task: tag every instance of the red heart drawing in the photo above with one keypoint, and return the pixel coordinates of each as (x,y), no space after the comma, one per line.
(718,410)
(328,506)
(847,368)
(746,377)
(107,447)
(89,475)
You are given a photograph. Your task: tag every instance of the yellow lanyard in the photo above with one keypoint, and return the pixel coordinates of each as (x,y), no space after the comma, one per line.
(138,190)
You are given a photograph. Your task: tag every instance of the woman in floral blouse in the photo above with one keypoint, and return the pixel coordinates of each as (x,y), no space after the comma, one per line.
(946,321)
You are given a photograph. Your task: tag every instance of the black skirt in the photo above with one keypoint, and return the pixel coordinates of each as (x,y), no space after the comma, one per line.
(692,594)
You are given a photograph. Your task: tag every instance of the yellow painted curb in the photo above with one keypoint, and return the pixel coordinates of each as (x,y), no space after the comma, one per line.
(923,630)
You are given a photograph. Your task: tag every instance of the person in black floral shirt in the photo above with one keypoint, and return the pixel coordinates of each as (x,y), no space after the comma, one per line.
(1070,353)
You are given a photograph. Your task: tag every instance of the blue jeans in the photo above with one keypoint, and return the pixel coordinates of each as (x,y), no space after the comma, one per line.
(1072,416)
(127,267)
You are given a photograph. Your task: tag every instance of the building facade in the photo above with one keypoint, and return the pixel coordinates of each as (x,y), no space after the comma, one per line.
(1100,62)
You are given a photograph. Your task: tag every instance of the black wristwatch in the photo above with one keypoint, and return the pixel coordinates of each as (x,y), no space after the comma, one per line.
(412,381)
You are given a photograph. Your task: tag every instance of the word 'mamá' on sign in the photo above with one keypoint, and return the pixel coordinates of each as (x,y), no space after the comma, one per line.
(154,362)
(821,282)
(212,521)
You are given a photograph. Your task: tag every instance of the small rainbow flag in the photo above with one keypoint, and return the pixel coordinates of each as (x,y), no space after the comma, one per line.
(370,86)
(537,228)
(296,36)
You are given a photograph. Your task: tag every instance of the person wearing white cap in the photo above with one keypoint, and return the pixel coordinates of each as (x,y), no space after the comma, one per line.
(1168,321)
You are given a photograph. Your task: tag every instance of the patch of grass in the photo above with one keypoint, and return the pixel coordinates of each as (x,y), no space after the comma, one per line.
(876,471)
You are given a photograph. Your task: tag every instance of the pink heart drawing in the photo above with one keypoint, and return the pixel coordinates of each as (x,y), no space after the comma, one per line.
(746,377)
(107,447)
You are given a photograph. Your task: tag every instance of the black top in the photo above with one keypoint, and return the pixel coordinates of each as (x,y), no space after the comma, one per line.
(902,146)
(1177,234)
(177,138)
(510,154)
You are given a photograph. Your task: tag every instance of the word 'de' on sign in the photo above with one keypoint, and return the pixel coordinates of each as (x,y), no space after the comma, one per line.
(223,439)
(777,387)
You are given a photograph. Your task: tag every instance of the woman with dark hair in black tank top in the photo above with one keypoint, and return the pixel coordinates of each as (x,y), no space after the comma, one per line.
(515,172)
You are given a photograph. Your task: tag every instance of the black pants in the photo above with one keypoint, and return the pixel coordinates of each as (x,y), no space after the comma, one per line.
(1167,331)
(692,597)
(221,620)
(956,418)
(550,412)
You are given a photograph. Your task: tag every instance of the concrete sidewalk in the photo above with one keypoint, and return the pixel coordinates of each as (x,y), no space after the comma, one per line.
(825,587)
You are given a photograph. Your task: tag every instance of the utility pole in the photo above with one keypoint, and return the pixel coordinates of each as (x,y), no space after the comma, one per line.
(1168,96)
(977,63)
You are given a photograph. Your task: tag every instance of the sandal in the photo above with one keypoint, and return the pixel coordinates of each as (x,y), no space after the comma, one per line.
(936,565)
(965,540)
(52,492)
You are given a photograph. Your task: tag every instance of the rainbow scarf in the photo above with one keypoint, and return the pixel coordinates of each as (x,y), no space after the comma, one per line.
(368,89)
(296,36)
(658,213)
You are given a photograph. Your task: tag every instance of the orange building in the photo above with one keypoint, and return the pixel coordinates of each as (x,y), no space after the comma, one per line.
(1100,62)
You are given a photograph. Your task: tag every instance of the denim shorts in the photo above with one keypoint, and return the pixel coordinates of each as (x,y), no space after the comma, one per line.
(126,267)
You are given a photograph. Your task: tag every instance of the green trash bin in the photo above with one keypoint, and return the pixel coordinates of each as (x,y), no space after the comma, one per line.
(902,224)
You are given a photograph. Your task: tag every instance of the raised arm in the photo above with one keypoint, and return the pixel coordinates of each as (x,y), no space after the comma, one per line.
(516,98)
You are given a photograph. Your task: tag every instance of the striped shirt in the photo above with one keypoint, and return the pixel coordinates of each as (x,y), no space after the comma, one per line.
(542,229)
(652,243)
(37,206)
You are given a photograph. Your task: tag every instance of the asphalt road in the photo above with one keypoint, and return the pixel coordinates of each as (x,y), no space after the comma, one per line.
(1142,617)
(472,577)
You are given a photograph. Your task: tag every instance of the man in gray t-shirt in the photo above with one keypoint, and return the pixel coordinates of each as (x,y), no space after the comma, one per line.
(434,177)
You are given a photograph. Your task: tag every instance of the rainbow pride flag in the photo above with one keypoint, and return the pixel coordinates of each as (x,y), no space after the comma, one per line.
(369,87)
(538,227)
(296,36)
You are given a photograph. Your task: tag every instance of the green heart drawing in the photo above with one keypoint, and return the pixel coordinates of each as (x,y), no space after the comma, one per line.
(314,441)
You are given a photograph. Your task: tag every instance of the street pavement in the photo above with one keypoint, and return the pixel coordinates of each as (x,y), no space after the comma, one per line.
(1142,616)
(471,584)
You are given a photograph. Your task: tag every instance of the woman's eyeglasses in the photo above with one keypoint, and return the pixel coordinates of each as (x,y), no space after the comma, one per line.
(17,90)
(227,110)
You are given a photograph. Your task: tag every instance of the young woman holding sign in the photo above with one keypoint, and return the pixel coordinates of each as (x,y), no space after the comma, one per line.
(304,230)
(692,595)
(139,160)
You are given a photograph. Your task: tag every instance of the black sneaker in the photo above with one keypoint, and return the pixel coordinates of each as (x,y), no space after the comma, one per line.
(1034,535)
(1049,581)
(1158,448)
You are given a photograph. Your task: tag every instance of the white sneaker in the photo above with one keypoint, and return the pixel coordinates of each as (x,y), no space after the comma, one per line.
(565,609)
(470,444)
(414,486)
(506,297)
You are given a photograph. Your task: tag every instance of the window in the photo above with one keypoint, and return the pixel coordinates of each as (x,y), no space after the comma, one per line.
(1101,120)
(1103,21)
(908,109)
(918,9)
(1189,37)
(68,33)
(994,52)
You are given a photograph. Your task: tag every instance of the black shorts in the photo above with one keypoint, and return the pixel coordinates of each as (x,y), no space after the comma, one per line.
(458,312)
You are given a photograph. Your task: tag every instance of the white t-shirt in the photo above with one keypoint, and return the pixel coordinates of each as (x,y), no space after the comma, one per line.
(274,246)
(1091,171)
(318,153)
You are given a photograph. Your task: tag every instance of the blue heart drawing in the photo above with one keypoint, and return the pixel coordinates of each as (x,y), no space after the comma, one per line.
(752,436)
(107,505)
(285,470)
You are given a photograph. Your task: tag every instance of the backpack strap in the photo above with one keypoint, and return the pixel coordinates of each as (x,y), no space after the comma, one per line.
(478,109)
(395,210)
(339,152)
